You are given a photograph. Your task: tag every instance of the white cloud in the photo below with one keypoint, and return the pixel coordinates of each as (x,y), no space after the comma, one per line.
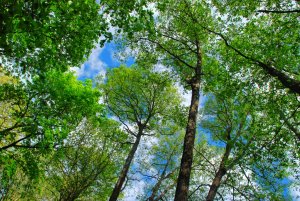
(93,66)
(185,94)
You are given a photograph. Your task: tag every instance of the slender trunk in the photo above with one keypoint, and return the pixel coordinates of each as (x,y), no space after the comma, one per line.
(218,176)
(155,189)
(187,155)
(158,184)
(279,11)
(160,197)
(117,189)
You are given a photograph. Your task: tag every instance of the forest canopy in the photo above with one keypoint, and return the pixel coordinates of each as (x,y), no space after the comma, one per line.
(208,109)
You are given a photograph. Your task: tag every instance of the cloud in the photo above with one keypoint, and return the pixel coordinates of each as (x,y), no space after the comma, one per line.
(93,66)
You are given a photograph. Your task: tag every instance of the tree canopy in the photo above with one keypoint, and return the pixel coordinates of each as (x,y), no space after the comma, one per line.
(65,139)
(41,35)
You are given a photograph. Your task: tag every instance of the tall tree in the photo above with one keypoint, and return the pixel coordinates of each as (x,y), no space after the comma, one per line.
(257,141)
(182,46)
(235,123)
(139,98)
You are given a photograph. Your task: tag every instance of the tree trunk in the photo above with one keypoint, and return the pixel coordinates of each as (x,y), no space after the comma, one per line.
(215,184)
(161,196)
(117,189)
(218,176)
(187,155)
(158,184)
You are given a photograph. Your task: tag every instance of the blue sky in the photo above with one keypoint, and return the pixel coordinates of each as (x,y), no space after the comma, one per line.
(101,59)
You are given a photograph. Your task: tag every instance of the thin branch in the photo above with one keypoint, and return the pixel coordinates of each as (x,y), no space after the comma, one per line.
(198,187)
(169,52)
(15,143)
(206,159)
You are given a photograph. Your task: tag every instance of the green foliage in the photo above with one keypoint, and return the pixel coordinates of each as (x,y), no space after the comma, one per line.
(123,19)
(138,95)
(247,58)
(251,34)
(73,175)
(39,116)
(142,100)
(243,52)
(48,108)
(41,35)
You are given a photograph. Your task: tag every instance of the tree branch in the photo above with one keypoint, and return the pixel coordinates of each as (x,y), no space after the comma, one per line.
(278,11)
(286,81)
(15,143)
(169,52)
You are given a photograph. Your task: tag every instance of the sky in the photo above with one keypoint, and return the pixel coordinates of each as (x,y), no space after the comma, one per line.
(100,59)
(103,58)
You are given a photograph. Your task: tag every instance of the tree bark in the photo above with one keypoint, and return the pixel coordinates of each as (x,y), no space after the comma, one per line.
(218,176)
(187,155)
(117,189)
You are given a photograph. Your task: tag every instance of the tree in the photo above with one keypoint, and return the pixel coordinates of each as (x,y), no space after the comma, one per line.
(17,185)
(46,109)
(164,166)
(40,35)
(263,41)
(234,122)
(255,141)
(139,98)
(39,116)
(40,104)
(181,43)
(84,167)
